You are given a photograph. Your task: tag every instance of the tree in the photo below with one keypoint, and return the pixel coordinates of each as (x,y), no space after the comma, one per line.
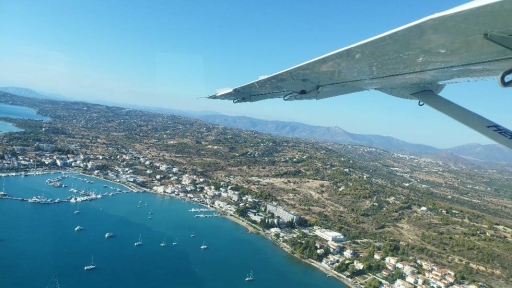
(301,222)
(242,211)
(373,283)
(371,251)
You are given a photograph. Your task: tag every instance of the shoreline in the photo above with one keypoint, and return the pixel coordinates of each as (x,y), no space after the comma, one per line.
(257,230)
(250,227)
(317,265)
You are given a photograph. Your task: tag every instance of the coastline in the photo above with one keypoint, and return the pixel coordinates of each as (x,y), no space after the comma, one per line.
(319,266)
(254,229)
(250,227)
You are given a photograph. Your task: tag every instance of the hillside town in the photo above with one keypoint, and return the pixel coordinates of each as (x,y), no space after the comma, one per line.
(332,248)
(366,216)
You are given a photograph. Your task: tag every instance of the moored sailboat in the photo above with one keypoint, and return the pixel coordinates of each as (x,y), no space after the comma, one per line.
(92,266)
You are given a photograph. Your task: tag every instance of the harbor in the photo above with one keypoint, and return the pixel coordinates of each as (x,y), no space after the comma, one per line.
(56,182)
(108,228)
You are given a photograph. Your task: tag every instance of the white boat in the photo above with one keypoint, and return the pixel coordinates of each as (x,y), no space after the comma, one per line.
(78,228)
(92,266)
(249,277)
(138,243)
(203,246)
(163,244)
(175,242)
(151,212)
(192,235)
(108,235)
(149,217)
(77,210)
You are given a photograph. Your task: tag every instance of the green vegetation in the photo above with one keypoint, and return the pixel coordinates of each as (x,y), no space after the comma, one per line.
(361,192)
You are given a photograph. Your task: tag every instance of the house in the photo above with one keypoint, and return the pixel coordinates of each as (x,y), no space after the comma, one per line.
(413,279)
(449,278)
(349,253)
(330,235)
(390,266)
(334,247)
(408,270)
(391,260)
(385,272)
(421,279)
(358,265)
(402,284)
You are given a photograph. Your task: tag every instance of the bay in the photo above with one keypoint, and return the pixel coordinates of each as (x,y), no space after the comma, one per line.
(13,111)
(38,241)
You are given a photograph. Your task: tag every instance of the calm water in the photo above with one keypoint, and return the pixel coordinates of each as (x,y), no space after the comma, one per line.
(38,241)
(16,112)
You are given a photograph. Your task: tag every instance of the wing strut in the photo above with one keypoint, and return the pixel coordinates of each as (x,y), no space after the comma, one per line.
(469,118)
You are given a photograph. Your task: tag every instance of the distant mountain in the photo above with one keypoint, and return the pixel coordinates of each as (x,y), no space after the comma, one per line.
(490,152)
(328,134)
(184,113)
(31,93)
(471,152)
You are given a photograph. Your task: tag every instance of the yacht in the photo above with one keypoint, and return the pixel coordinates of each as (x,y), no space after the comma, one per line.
(138,243)
(92,266)
(151,212)
(175,242)
(149,217)
(78,228)
(249,277)
(192,235)
(77,210)
(203,246)
(108,235)
(163,244)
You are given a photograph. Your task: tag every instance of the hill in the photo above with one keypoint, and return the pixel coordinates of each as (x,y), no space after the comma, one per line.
(472,152)
(372,196)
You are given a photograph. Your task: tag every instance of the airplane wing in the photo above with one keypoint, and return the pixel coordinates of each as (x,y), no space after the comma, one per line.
(469,42)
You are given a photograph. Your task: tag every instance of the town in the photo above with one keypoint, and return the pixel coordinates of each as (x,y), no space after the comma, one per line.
(368,217)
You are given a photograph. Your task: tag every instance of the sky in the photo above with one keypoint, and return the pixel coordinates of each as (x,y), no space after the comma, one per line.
(172,53)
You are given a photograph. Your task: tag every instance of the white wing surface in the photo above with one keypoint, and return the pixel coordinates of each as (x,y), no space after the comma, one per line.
(472,41)
(443,48)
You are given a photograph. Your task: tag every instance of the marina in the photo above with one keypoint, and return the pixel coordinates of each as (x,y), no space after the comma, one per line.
(43,232)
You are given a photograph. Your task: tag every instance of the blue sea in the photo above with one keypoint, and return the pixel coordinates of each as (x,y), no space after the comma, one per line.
(16,112)
(38,241)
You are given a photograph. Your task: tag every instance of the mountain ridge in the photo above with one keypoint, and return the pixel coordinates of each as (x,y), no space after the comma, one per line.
(476,153)
(473,152)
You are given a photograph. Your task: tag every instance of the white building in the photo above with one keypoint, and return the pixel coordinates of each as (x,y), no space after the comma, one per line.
(330,235)
(358,265)
(391,260)
(402,284)
(348,253)
(279,211)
